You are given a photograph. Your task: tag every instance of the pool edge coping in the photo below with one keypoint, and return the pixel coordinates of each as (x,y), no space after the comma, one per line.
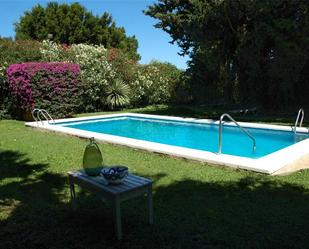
(267,164)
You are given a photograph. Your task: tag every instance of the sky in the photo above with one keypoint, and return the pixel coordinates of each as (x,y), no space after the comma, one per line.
(153,43)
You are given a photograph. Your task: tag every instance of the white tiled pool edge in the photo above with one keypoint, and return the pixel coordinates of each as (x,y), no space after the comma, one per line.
(267,164)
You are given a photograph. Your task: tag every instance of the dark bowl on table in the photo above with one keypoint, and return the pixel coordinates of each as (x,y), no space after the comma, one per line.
(114,174)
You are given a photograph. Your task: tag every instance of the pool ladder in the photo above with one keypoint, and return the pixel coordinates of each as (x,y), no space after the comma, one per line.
(238,125)
(299,119)
(40,114)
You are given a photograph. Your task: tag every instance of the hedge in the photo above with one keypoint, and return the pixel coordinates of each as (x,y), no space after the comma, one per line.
(51,86)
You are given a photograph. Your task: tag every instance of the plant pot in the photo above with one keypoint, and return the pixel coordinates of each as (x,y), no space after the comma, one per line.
(27,115)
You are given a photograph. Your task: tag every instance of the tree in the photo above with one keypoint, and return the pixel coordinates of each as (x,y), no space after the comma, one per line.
(74,24)
(250,52)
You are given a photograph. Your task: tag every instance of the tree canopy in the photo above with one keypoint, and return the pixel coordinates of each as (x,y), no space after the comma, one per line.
(253,52)
(74,24)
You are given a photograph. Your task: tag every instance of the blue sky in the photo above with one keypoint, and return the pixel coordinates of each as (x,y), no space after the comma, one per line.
(153,43)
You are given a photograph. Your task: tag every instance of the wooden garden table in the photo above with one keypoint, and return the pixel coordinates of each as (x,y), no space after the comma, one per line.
(131,187)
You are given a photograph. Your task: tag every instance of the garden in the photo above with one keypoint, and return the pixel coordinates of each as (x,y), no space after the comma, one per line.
(196,204)
(79,78)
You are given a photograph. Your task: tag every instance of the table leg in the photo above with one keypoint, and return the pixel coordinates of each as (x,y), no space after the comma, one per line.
(150,204)
(117,215)
(72,194)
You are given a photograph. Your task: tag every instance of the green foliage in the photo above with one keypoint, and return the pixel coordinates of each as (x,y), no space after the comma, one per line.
(174,79)
(125,68)
(93,61)
(14,52)
(4,101)
(149,84)
(73,24)
(19,51)
(91,58)
(155,83)
(92,97)
(249,52)
(96,70)
(53,52)
(50,86)
(117,95)
(3,89)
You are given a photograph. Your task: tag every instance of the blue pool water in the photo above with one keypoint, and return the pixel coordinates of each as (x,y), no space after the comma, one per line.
(190,135)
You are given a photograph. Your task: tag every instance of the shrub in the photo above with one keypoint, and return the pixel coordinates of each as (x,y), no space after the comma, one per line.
(3,67)
(3,91)
(96,71)
(53,52)
(117,95)
(14,52)
(52,86)
(124,67)
(19,51)
(155,83)
(93,63)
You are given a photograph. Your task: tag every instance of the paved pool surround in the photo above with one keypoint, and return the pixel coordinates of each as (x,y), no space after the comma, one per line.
(268,164)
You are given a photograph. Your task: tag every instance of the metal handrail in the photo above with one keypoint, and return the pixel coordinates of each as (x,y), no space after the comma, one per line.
(302,113)
(42,113)
(34,111)
(36,114)
(241,128)
(48,115)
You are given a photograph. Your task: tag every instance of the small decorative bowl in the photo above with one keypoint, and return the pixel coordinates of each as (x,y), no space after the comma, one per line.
(115,174)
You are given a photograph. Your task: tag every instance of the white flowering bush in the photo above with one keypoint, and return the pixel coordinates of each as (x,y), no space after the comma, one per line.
(93,62)
(52,51)
(96,71)
(91,58)
(151,86)
(3,67)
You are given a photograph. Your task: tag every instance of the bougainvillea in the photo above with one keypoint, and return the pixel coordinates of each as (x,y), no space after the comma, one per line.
(52,86)
(154,83)
(96,71)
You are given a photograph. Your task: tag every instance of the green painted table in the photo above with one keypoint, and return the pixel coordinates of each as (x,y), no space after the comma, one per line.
(131,187)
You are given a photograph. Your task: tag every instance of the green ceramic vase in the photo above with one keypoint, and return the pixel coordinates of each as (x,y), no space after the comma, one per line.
(92,161)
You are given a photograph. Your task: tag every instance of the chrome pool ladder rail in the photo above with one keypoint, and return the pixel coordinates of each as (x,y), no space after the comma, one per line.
(49,117)
(37,113)
(301,114)
(238,125)
(33,113)
(36,116)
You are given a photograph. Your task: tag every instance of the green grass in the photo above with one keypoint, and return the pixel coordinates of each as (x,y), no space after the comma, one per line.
(196,205)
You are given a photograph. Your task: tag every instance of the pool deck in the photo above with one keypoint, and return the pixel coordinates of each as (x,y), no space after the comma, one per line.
(299,164)
(273,163)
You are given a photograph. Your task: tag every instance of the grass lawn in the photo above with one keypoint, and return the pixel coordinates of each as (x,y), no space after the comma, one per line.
(262,116)
(196,205)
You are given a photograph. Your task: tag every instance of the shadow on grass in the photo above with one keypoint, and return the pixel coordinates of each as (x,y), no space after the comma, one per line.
(253,212)
(15,164)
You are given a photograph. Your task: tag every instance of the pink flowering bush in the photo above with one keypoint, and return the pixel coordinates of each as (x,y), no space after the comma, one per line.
(51,86)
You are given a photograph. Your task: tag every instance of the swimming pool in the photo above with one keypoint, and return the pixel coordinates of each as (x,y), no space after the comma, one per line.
(195,139)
